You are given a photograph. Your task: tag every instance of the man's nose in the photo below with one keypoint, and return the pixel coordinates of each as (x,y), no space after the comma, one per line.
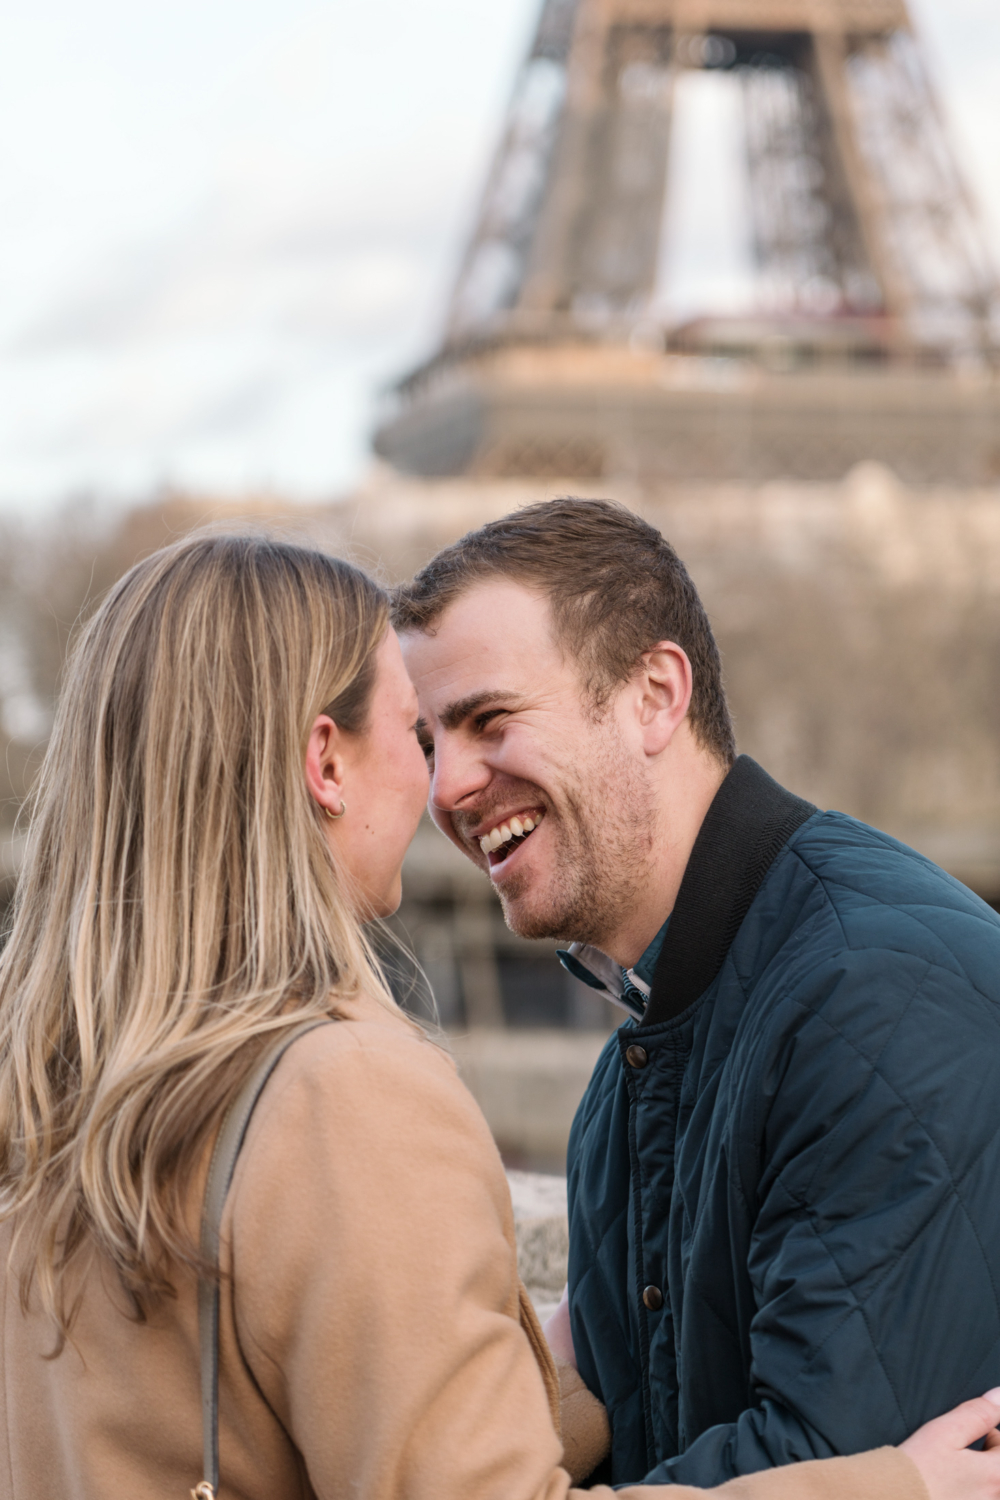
(460,774)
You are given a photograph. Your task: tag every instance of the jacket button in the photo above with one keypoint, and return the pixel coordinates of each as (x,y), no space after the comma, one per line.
(653,1298)
(636,1056)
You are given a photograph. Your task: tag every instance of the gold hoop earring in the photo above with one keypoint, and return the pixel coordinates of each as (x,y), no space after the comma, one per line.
(334,816)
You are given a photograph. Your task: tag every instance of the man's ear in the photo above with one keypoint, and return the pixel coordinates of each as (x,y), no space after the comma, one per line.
(325,764)
(663,694)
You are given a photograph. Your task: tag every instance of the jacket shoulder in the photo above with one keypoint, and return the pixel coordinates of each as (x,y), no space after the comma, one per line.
(855,888)
(861,960)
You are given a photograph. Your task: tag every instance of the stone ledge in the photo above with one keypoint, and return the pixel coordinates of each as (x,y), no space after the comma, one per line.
(542,1232)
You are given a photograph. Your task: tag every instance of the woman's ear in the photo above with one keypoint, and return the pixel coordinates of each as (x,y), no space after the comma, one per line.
(325,765)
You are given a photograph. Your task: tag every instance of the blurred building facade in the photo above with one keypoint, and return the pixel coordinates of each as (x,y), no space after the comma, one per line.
(827,465)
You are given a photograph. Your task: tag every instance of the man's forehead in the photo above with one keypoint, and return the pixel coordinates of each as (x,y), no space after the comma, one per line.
(464,673)
(495,641)
(496,623)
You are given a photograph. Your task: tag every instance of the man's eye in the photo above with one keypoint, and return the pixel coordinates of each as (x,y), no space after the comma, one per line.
(485,718)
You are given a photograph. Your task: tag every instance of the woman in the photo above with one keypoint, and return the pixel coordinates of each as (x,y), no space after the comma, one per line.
(230,788)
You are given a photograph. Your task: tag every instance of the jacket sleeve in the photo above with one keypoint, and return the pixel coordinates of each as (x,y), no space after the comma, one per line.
(872,1254)
(883,1474)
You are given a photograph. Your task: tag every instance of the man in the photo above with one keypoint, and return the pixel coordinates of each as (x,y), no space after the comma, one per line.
(785,1172)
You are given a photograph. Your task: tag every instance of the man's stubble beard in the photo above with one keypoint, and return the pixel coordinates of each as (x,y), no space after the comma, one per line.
(603,836)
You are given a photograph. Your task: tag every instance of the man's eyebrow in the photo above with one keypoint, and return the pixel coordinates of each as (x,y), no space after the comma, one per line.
(456,713)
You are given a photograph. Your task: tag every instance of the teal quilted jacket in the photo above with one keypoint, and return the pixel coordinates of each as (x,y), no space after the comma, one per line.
(784,1180)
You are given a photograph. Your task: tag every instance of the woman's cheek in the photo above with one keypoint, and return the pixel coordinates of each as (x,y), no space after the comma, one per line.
(421,775)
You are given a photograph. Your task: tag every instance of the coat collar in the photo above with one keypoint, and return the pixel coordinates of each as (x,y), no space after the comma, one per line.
(749,822)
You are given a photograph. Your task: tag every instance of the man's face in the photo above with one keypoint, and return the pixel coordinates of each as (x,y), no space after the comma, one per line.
(514,744)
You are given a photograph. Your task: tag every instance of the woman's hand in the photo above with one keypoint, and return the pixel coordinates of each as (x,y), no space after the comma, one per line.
(940,1450)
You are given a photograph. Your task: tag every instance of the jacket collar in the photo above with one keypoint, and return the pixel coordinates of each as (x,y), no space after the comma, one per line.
(749,822)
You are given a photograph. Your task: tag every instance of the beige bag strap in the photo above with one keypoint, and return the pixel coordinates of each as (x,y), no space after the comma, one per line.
(220,1174)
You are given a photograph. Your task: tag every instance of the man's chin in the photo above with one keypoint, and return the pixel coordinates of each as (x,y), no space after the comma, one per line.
(529,918)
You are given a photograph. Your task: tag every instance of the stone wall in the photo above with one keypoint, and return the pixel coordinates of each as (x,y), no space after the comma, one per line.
(542,1236)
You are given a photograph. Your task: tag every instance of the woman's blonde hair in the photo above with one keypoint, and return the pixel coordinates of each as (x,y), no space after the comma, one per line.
(178,900)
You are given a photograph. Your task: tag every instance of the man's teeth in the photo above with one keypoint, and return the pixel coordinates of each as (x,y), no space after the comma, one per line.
(504,832)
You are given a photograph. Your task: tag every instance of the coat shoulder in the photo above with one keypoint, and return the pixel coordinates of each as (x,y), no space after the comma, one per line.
(842,890)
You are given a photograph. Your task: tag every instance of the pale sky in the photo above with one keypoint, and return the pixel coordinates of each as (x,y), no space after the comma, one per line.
(226,224)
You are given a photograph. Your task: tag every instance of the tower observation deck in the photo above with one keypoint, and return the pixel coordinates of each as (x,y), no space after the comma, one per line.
(873,331)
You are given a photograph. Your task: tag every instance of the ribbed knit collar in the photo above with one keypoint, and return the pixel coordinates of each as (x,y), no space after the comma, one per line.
(749,822)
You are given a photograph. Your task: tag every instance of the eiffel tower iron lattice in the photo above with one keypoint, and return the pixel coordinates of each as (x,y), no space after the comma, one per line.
(874,283)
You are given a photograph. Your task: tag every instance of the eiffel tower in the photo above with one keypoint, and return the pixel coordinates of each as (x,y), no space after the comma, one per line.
(874,329)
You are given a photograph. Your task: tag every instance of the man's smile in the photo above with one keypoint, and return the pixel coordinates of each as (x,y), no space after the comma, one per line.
(509,832)
(509,855)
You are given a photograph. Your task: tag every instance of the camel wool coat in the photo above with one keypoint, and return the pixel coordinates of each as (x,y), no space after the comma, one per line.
(375,1340)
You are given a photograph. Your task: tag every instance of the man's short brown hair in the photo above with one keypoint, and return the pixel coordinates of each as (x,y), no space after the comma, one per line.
(616,588)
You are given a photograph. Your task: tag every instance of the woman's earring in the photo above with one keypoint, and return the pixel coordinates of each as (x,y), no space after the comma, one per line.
(334,816)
